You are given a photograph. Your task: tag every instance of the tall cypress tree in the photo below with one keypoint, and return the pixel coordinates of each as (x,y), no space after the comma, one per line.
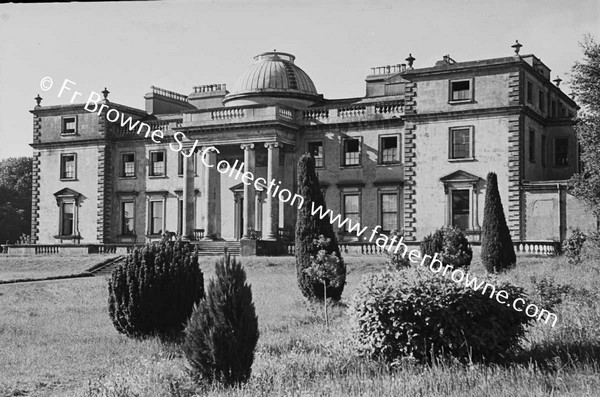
(308,230)
(497,251)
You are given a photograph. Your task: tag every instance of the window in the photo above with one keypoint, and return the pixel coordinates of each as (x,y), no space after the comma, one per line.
(561,151)
(461,143)
(316,150)
(127,212)
(128,167)
(460,90)
(460,208)
(532,146)
(67,219)
(541,103)
(156,217)
(389,152)
(180,160)
(157,163)
(389,211)
(69,125)
(351,152)
(529,91)
(351,209)
(543,151)
(67,166)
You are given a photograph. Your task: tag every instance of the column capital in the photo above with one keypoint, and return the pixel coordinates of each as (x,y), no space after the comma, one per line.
(247,146)
(272,145)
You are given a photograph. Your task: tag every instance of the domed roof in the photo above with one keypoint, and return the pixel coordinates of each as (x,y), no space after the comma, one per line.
(273,77)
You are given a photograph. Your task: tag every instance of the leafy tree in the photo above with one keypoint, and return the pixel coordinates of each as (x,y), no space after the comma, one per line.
(15,198)
(222,332)
(497,250)
(309,229)
(585,83)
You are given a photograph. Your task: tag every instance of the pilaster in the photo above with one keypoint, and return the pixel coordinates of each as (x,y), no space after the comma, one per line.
(410,228)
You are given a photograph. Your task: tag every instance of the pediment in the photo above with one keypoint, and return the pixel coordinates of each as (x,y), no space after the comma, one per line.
(67,192)
(460,176)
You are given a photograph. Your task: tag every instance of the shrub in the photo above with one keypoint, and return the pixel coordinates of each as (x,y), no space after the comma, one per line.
(497,251)
(153,293)
(309,228)
(452,246)
(396,261)
(221,335)
(414,313)
(572,246)
(550,293)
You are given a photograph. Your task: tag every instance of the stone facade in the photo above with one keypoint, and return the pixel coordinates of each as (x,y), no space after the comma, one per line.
(411,155)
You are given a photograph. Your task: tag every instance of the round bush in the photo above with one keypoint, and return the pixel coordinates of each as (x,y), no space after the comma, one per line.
(153,293)
(396,261)
(415,313)
(452,246)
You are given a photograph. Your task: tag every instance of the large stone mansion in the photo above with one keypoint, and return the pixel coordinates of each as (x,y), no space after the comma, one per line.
(412,155)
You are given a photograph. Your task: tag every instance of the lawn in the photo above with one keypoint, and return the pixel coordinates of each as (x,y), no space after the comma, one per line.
(56,339)
(36,267)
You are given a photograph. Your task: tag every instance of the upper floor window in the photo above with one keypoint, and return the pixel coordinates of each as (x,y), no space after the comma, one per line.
(529,91)
(553,108)
(561,151)
(461,90)
(461,143)
(351,152)
(67,166)
(316,150)
(532,146)
(157,163)
(389,149)
(128,167)
(181,158)
(541,104)
(69,125)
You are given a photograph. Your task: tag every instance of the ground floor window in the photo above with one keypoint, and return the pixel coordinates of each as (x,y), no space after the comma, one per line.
(127,217)
(156,217)
(67,219)
(389,211)
(351,208)
(461,208)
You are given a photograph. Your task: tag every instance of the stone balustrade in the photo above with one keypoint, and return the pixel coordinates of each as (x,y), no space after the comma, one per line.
(315,114)
(169,94)
(351,111)
(209,88)
(227,113)
(389,107)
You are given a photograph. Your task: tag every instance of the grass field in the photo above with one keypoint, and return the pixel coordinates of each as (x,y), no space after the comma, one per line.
(56,339)
(36,267)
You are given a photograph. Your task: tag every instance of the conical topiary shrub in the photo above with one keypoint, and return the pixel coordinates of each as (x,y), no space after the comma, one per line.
(310,229)
(153,293)
(222,332)
(497,250)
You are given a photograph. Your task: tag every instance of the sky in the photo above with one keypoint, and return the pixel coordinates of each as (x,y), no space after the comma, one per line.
(130,46)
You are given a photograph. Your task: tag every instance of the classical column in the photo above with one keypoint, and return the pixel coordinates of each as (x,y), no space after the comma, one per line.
(210,193)
(272,205)
(187,199)
(249,166)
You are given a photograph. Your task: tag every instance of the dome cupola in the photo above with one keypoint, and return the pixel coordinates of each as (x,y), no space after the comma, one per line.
(273,79)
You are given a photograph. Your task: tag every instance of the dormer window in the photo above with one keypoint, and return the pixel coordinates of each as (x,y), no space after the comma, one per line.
(461,90)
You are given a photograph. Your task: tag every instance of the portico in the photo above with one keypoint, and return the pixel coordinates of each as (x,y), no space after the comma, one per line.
(235,201)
